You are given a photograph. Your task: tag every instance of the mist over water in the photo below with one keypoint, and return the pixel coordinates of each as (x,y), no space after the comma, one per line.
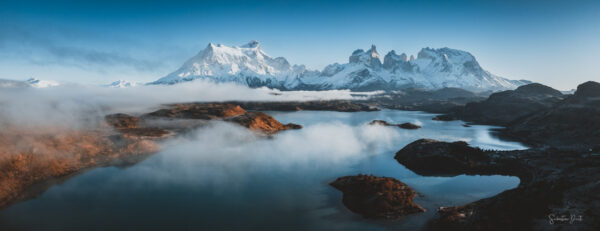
(83,106)
(224,177)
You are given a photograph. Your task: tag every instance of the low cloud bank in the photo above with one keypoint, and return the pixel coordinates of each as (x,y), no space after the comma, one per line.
(223,152)
(80,105)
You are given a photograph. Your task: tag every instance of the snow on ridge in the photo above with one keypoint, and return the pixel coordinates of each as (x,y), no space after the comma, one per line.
(37,83)
(122,84)
(31,82)
(249,65)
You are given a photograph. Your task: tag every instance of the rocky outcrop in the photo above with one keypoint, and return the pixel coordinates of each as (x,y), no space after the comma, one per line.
(403,125)
(256,121)
(377,197)
(409,126)
(554,183)
(430,157)
(204,111)
(571,123)
(380,122)
(259,121)
(504,107)
(587,90)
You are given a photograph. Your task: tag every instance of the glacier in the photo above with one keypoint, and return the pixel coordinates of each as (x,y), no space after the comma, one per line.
(431,69)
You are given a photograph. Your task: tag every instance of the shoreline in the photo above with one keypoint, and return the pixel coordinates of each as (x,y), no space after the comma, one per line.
(543,190)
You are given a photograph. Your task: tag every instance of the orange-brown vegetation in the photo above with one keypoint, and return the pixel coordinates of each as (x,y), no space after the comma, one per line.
(256,121)
(38,155)
(205,111)
(131,126)
(259,121)
(377,197)
(30,157)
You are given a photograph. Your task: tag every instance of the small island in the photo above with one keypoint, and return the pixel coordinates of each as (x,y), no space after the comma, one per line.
(377,197)
(407,125)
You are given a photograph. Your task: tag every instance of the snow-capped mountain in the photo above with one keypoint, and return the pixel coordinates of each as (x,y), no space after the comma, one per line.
(37,83)
(32,82)
(122,84)
(432,69)
(247,64)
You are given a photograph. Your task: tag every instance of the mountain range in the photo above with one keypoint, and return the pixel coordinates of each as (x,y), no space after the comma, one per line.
(31,82)
(431,69)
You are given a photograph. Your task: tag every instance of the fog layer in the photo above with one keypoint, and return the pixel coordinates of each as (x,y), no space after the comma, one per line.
(80,105)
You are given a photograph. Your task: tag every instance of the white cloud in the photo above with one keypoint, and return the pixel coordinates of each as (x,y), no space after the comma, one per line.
(82,105)
(222,152)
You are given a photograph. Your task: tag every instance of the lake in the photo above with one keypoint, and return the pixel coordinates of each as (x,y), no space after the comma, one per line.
(223,177)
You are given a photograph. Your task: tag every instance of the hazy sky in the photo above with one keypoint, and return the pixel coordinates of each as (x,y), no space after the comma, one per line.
(553,42)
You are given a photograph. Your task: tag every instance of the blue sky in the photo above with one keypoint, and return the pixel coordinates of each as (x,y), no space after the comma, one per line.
(553,42)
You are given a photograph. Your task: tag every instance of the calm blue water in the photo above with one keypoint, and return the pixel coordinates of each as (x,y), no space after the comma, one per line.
(225,178)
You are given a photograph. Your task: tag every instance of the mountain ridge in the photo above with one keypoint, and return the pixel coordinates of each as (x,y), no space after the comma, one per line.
(31,82)
(432,69)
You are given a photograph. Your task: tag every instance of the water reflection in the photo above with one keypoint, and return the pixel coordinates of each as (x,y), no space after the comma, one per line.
(226,178)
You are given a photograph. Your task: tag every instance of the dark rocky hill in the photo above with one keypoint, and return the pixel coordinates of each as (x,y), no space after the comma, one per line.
(504,107)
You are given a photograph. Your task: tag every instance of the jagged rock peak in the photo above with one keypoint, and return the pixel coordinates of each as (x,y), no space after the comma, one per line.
(392,60)
(373,52)
(401,57)
(249,65)
(370,57)
(392,55)
(211,46)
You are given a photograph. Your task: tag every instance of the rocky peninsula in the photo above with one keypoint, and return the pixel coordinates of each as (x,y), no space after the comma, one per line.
(554,183)
(33,160)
